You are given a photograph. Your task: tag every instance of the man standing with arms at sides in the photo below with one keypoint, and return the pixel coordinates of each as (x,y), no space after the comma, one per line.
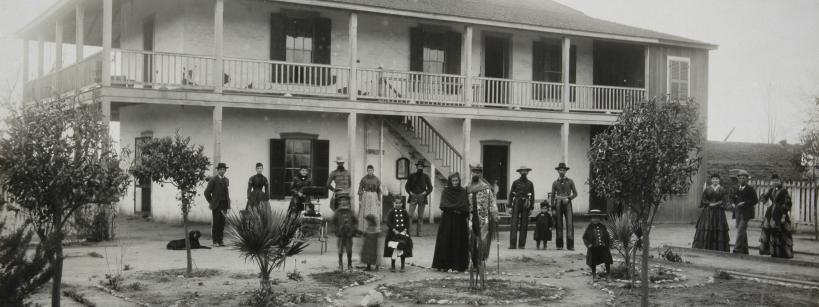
(418,186)
(522,198)
(746,199)
(343,181)
(563,191)
(216,193)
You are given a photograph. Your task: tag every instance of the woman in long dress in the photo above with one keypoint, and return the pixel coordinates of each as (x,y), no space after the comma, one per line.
(257,189)
(452,243)
(369,192)
(777,239)
(712,226)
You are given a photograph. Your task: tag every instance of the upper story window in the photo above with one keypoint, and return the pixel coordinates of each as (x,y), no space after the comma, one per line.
(299,40)
(436,51)
(679,77)
(547,61)
(300,37)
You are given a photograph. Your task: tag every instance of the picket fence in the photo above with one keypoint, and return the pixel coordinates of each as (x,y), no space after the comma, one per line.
(804,195)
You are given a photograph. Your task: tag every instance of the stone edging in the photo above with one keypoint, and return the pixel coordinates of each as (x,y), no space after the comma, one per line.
(560,293)
(332,301)
(121,296)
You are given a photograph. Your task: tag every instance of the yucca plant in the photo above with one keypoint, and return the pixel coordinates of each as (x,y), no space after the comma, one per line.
(621,231)
(264,237)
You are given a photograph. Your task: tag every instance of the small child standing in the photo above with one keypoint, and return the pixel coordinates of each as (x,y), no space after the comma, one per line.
(346,226)
(369,250)
(543,225)
(597,241)
(398,242)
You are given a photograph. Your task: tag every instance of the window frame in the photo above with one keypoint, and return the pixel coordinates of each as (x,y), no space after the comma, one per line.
(297,136)
(668,81)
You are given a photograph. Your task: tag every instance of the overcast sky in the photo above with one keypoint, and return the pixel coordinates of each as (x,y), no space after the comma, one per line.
(768,55)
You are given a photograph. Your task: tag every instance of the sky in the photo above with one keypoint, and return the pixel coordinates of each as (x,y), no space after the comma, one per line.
(763,77)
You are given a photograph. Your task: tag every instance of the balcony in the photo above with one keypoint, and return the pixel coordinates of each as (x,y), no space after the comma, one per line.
(184,72)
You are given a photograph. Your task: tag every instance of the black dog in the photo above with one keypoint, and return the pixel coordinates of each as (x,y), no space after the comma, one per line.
(193,236)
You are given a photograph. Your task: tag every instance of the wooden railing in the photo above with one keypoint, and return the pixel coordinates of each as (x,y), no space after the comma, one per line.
(80,75)
(438,146)
(149,69)
(286,78)
(604,98)
(517,94)
(410,87)
(804,196)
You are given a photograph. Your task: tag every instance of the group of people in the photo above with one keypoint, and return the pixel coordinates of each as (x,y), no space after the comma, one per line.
(712,226)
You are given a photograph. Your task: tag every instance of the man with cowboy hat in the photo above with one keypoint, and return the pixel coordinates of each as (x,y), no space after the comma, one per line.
(563,191)
(745,198)
(342,179)
(522,198)
(216,193)
(418,187)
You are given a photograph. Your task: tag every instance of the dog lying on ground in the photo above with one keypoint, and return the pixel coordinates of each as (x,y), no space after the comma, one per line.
(193,236)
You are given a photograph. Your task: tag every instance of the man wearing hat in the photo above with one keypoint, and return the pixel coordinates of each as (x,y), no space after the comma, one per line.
(563,191)
(418,186)
(216,193)
(482,222)
(746,199)
(342,179)
(522,198)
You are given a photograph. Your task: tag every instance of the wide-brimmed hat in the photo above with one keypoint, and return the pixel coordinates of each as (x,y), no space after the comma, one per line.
(221,165)
(421,163)
(596,212)
(562,165)
(339,159)
(523,168)
(476,167)
(743,172)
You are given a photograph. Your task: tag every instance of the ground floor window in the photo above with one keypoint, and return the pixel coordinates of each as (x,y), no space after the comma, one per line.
(291,152)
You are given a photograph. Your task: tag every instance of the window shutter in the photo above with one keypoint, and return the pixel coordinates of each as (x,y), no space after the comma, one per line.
(277,37)
(321,162)
(416,49)
(321,41)
(277,185)
(453,53)
(678,79)
(538,61)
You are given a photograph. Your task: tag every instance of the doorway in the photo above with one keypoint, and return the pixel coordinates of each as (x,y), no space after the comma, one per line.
(495,159)
(144,184)
(496,63)
(148,45)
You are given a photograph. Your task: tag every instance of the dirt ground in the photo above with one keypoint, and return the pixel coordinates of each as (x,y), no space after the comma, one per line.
(154,275)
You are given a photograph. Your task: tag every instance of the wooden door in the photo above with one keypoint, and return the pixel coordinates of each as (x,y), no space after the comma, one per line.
(496,65)
(496,167)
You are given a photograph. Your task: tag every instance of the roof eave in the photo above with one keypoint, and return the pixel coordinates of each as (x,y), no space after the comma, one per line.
(53,10)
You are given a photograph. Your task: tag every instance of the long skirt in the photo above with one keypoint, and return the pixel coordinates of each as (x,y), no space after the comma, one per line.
(370,204)
(712,230)
(776,239)
(452,243)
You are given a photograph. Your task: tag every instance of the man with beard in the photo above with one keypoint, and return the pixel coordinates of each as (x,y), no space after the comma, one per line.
(563,191)
(418,187)
(342,179)
(522,198)
(483,220)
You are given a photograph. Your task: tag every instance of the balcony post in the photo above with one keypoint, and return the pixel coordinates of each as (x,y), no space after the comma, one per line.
(218,35)
(564,141)
(25,67)
(353,43)
(352,121)
(107,24)
(646,73)
(467,136)
(467,58)
(79,36)
(40,55)
(567,44)
(58,54)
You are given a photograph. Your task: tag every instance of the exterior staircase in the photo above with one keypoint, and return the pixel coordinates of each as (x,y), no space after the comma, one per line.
(424,142)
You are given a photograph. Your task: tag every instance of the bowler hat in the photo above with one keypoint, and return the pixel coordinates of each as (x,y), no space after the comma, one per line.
(221,165)
(421,163)
(476,167)
(562,165)
(339,159)
(743,172)
(523,168)
(596,212)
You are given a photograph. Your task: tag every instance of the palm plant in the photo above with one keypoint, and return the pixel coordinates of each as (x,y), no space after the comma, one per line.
(264,237)
(622,233)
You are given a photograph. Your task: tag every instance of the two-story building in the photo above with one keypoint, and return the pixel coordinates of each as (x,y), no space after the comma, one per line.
(299,82)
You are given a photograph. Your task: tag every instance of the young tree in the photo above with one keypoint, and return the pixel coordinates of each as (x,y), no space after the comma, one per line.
(650,154)
(177,162)
(57,157)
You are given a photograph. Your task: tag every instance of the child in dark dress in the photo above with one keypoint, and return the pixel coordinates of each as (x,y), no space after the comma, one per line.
(398,242)
(597,241)
(346,226)
(369,250)
(543,225)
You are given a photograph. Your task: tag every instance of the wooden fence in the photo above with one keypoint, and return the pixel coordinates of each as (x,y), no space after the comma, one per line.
(804,195)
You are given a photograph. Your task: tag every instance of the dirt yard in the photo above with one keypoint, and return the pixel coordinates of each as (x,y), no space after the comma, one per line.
(154,276)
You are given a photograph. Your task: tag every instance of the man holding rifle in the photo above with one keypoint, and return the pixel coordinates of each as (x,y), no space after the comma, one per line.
(563,191)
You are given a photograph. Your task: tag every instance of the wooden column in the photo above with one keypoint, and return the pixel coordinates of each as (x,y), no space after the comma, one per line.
(105,108)
(567,45)
(432,195)
(107,28)
(352,120)
(353,43)
(79,36)
(381,153)
(564,141)
(467,64)
(25,67)
(40,55)
(218,35)
(646,71)
(217,135)
(58,54)
(466,131)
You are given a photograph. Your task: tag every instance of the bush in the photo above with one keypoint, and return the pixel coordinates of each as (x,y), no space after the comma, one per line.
(96,223)
(21,275)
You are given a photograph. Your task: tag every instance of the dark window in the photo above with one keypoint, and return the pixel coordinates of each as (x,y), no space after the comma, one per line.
(287,155)
(301,37)
(547,66)
(435,51)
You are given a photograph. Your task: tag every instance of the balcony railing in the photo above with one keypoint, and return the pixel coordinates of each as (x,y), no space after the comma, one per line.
(170,71)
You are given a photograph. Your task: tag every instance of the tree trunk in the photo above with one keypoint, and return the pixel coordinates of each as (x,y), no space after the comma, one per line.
(187,243)
(644,273)
(633,265)
(58,273)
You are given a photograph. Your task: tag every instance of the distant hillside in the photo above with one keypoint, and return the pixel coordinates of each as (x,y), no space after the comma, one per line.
(760,160)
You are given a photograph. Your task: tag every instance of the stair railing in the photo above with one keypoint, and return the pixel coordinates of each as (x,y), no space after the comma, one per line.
(441,149)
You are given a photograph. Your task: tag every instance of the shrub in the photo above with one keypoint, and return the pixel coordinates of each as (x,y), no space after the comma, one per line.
(21,275)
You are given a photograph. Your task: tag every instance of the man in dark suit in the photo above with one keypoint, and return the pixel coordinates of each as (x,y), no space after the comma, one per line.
(219,202)
(746,200)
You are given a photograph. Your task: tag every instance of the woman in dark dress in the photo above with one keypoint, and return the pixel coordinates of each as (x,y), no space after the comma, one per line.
(712,226)
(452,243)
(776,239)
(257,191)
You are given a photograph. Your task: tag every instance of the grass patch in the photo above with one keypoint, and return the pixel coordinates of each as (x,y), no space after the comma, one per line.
(173,274)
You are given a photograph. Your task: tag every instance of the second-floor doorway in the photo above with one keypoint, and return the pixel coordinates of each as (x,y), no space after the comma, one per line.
(496,64)
(148,45)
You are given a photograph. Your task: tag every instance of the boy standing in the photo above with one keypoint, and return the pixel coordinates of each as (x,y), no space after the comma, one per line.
(346,225)
(543,225)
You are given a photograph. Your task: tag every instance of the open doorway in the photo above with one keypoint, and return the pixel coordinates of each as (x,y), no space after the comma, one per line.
(148,45)
(142,193)
(496,63)
(495,159)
